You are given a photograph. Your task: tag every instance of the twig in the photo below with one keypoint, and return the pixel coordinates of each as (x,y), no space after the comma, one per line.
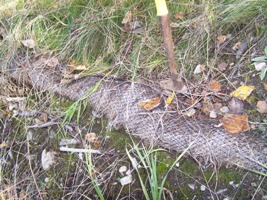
(43,125)
(73,150)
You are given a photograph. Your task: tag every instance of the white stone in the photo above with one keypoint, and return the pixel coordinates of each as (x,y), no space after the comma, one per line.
(202,188)
(126,180)
(122,169)
(213,114)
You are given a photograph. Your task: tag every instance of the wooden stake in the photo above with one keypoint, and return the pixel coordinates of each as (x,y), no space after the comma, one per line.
(164,21)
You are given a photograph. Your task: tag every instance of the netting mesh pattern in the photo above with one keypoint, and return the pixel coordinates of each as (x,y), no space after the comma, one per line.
(118,101)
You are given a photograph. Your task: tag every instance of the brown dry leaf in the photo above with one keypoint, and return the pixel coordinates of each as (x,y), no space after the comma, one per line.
(236,46)
(30,43)
(242,92)
(215,86)
(43,117)
(222,66)
(127,18)
(52,62)
(90,137)
(150,104)
(207,106)
(72,62)
(4,145)
(264,85)
(234,124)
(221,38)
(262,107)
(179,16)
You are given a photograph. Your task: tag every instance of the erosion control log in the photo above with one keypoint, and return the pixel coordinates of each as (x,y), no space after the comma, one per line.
(118,101)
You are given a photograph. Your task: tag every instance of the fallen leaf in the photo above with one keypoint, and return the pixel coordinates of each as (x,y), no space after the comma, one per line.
(48,159)
(179,16)
(80,68)
(90,137)
(262,107)
(213,115)
(168,84)
(72,62)
(236,106)
(199,68)
(264,85)
(126,180)
(4,145)
(170,99)
(127,18)
(234,124)
(215,86)
(222,66)
(221,38)
(236,46)
(150,104)
(30,43)
(52,62)
(259,65)
(242,92)
(190,112)
(207,106)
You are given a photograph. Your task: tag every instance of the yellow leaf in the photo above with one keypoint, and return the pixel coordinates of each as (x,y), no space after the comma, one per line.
(242,92)
(170,99)
(150,104)
(234,124)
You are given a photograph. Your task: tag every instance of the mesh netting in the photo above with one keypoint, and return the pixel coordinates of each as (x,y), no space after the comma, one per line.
(118,101)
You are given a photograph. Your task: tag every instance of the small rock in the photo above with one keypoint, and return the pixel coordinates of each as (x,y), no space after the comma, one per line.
(122,169)
(253,184)
(224,109)
(236,106)
(126,180)
(199,68)
(213,115)
(202,188)
(190,112)
(177,164)
(46,180)
(29,135)
(191,186)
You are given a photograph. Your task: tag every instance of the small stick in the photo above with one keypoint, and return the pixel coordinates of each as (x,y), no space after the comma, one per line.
(164,21)
(73,150)
(43,125)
